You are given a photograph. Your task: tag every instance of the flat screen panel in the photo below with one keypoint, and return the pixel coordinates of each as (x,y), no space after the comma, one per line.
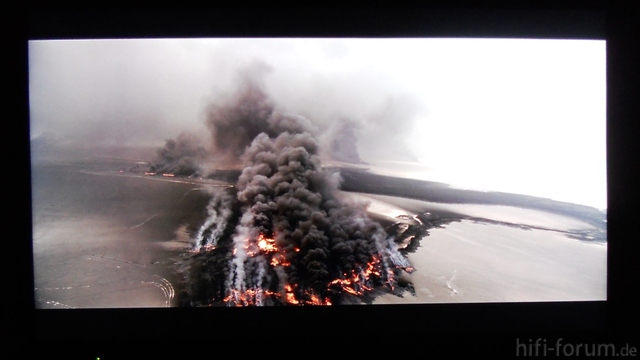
(316,171)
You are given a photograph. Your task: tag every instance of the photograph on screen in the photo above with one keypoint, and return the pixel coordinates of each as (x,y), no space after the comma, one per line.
(315,171)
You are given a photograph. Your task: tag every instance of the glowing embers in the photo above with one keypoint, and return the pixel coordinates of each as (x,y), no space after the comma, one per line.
(279,260)
(272,279)
(288,296)
(249,297)
(305,298)
(202,248)
(357,283)
(262,253)
(266,245)
(270,262)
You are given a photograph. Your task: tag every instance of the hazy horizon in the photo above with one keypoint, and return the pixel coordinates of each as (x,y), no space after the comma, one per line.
(522,116)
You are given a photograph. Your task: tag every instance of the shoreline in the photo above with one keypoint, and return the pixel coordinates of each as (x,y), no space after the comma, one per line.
(363,181)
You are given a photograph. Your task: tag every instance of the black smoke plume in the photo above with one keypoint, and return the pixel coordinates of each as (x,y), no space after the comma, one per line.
(181,156)
(283,235)
(235,123)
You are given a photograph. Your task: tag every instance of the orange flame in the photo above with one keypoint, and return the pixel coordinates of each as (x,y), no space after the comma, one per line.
(249,297)
(267,245)
(279,260)
(291,297)
(357,282)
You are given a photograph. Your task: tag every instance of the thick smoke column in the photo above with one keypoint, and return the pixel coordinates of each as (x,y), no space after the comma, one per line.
(283,235)
(235,123)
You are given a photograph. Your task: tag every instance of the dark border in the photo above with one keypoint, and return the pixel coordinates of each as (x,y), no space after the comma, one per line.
(470,329)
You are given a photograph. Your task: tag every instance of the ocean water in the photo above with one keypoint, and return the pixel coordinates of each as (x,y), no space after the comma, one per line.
(99,237)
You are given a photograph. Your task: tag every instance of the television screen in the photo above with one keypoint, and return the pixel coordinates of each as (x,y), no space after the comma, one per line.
(198,172)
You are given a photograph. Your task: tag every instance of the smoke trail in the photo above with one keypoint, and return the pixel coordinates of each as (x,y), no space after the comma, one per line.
(219,213)
(284,235)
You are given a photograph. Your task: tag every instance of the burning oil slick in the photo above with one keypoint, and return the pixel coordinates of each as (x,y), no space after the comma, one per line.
(283,235)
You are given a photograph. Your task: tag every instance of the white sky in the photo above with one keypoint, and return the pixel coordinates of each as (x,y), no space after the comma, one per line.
(523,116)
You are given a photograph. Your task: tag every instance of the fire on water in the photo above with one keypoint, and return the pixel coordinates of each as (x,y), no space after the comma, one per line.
(357,282)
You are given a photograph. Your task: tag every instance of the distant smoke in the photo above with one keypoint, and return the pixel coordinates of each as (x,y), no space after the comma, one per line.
(235,121)
(180,156)
(386,129)
(283,235)
(342,141)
